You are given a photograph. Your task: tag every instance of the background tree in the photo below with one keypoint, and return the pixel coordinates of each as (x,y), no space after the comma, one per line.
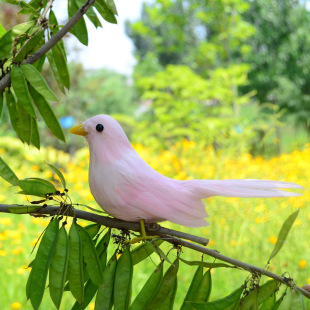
(279,59)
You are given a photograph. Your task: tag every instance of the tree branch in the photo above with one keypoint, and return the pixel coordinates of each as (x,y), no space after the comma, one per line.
(172,236)
(6,80)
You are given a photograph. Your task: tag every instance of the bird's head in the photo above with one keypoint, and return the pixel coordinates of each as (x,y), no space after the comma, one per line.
(105,136)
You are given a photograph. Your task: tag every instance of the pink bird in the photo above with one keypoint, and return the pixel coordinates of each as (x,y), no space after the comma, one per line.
(126,187)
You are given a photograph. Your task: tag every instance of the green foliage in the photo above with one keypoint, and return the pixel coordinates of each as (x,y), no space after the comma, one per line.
(97,92)
(202,35)
(279,59)
(29,87)
(285,229)
(182,105)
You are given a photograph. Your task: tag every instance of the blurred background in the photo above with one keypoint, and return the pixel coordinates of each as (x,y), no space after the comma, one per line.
(213,89)
(231,74)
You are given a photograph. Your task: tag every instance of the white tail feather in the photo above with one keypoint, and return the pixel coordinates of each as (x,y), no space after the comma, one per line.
(242,188)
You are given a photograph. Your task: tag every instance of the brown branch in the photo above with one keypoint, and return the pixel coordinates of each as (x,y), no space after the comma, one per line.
(6,80)
(172,236)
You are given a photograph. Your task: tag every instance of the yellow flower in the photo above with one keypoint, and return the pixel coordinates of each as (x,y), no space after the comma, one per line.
(2,197)
(35,168)
(16,305)
(308,280)
(6,221)
(33,242)
(273,239)
(211,242)
(91,306)
(22,269)
(233,243)
(17,250)
(3,235)
(302,263)
(3,253)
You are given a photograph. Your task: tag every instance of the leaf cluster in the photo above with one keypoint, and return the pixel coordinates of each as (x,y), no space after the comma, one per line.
(30,93)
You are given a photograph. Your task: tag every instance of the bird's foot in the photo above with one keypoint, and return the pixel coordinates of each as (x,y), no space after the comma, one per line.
(143,235)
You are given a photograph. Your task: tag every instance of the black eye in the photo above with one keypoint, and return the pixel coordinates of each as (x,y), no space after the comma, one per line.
(99,127)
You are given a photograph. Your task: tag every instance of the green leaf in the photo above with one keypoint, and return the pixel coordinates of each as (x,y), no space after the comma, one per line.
(91,14)
(123,281)
(278,302)
(105,12)
(37,81)
(164,288)
(21,90)
(104,299)
(2,31)
(229,302)
(31,44)
(12,107)
(204,289)
(112,6)
(75,265)
(36,187)
(90,290)
(41,264)
(206,264)
(268,303)
(47,114)
(53,66)
(61,177)
(1,103)
(193,288)
(250,302)
(39,63)
(53,24)
(24,209)
(58,267)
(149,289)
(27,27)
(284,231)
(91,257)
(61,65)
(92,230)
(144,250)
(7,173)
(28,9)
(297,302)
(169,301)
(24,123)
(266,290)
(36,4)
(79,29)
(35,135)
(6,44)
(102,247)
(7,39)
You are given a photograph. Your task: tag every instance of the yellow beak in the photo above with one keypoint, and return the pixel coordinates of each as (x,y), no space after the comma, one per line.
(78,130)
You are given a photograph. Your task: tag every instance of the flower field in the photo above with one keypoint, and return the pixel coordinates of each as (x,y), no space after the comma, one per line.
(245,229)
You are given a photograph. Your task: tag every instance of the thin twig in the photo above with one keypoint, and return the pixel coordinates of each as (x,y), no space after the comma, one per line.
(6,80)
(174,238)
(50,2)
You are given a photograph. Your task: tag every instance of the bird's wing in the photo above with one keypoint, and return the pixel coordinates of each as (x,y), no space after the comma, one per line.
(154,197)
